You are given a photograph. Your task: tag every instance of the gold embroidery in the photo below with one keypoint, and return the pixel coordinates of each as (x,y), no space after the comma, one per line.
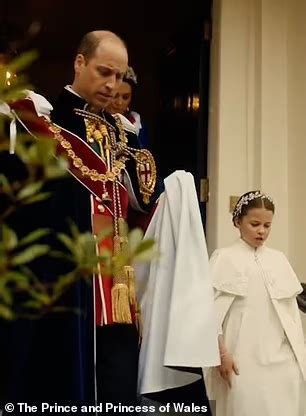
(79,164)
(113,152)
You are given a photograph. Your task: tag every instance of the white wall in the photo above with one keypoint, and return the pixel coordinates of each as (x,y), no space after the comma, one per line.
(228,117)
(257,137)
(296,73)
(297,137)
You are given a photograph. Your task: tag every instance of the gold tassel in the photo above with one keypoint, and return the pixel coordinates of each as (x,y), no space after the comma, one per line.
(117,245)
(123,290)
(123,229)
(139,323)
(120,304)
(120,291)
(130,276)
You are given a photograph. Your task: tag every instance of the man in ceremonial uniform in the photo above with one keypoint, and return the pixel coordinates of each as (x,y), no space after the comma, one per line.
(99,66)
(91,356)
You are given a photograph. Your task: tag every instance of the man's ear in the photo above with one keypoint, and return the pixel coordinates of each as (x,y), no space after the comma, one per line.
(79,62)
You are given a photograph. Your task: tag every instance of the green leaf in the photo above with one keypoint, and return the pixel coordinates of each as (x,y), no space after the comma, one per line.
(87,243)
(33,236)
(28,272)
(119,261)
(5,184)
(74,230)
(29,190)
(135,238)
(23,61)
(63,283)
(37,198)
(67,241)
(144,245)
(16,93)
(60,255)
(9,238)
(20,280)
(41,297)
(32,277)
(6,293)
(6,312)
(22,150)
(105,253)
(105,233)
(30,254)
(32,304)
(53,171)
(32,151)
(46,148)
(146,251)
(146,256)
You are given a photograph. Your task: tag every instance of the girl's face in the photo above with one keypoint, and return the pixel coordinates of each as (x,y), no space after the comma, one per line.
(255,227)
(122,99)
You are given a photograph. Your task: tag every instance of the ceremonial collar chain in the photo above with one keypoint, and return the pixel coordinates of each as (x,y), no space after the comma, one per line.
(116,153)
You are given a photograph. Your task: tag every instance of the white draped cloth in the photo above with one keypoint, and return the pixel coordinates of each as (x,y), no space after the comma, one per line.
(176,294)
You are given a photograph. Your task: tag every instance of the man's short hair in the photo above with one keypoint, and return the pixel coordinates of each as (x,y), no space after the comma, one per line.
(91,41)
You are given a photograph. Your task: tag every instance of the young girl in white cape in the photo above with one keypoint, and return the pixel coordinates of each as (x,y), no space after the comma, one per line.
(261,339)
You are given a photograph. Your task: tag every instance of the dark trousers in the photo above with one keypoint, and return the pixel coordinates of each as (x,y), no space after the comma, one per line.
(117,364)
(194,393)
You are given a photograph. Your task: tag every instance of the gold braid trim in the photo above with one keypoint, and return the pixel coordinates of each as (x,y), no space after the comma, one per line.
(93,174)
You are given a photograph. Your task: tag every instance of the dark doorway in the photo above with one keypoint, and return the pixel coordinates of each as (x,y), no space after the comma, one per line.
(181,140)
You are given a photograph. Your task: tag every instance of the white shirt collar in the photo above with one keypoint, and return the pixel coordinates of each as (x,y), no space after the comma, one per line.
(69,88)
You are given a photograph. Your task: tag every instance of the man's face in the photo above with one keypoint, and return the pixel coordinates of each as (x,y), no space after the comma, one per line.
(98,79)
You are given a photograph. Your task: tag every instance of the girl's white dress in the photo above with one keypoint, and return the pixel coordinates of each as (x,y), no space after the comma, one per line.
(257,311)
